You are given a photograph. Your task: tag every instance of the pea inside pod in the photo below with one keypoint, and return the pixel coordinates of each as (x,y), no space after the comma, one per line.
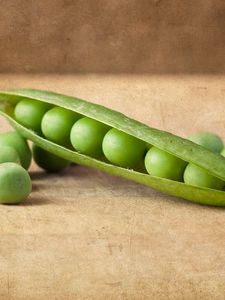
(180,148)
(195,175)
(87,135)
(30,113)
(162,164)
(57,123)
(123,149)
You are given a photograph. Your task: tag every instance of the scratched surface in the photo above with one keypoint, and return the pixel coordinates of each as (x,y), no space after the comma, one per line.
(87,235)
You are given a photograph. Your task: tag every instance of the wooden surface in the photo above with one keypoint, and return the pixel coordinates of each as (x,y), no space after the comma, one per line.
(87,235)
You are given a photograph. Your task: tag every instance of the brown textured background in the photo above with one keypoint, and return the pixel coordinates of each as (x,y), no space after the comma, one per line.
(154,36)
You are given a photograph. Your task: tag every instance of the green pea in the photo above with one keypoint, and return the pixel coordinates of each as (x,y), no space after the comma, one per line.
(29,113)
(210,141)
(48,161)
(162,164)
(57,123)
(8,154)
(87,135)
(15,183)
(197,176)
(223,152)
(123,149)
(16,141)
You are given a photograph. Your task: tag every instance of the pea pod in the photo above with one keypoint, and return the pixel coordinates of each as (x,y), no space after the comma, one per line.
(182,148)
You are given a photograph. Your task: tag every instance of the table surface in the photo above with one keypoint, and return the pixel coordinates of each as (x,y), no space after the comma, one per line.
(83,234)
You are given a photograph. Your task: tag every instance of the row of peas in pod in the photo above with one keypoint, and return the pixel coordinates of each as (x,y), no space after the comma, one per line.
(97,140)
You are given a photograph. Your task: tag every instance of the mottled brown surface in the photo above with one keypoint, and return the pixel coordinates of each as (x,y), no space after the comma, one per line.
(87,235)
(112,36)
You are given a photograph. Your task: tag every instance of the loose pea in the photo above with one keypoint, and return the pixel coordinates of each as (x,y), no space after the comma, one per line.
(57,123)
(197,176)
(162,164)
(123,149)
(14,140)
(15,183)
(87,135)
(29,113)
(210,141)
(223,152)
(48,161)
(8,154)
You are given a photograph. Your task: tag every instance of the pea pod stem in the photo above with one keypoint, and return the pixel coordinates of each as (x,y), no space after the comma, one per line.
(182,148)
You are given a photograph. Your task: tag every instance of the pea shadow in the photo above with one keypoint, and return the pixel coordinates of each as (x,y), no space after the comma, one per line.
(118,186)
(74,170)
(182,202)
(36,175)
(30,201)
(36,201)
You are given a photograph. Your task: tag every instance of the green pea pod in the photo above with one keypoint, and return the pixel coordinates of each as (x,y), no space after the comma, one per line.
(182,148)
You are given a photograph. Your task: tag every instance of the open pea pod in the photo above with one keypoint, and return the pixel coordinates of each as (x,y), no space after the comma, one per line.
(182,148)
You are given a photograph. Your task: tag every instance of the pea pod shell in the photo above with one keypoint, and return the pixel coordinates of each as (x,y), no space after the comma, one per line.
(182,148)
